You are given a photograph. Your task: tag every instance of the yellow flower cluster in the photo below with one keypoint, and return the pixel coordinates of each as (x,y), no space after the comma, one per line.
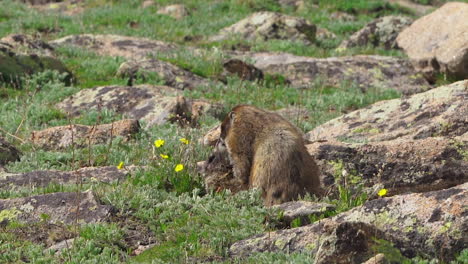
(121,165)
(179,167)
(382,192)
(159,143)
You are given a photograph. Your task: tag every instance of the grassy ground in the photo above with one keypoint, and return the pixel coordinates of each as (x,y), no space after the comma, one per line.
(186,222)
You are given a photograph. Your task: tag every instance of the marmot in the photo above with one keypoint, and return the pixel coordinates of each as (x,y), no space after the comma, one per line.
(268,152)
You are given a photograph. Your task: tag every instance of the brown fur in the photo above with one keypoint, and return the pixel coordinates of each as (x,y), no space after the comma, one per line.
(268,152)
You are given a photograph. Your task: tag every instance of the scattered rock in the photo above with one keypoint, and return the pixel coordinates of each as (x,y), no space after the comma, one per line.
(269,25)
(63,137)
(294,114)
(442,111)
(16,59)
(377,259)
(176,11)
(399,165)
(342,16)
(364,70)
(171,75)
(430,224)
(58,207)
(382,31)
(26,44)
(148,3)
(65,244)
(323,33)
(8,153)
(243,70)
(418,9)
(114,45)
(295,4)
(155,105)
(438,42)
(71,7)
(44,178)
(302,210)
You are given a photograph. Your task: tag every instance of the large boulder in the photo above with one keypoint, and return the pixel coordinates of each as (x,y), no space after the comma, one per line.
(364,70)
(36,179)
(155,105)
(269,25)
(431,225)
(438,42)
(442,111)
(66,207)
(8,152)
(170,74)
(21,55)
(79,136)
(114,45)
(382,31)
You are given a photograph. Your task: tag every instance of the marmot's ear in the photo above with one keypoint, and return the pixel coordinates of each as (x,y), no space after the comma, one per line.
(232,115)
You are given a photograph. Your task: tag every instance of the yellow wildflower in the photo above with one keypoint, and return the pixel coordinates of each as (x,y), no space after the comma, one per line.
(179,167)
(164,156)
(159,143)
(382,192)
(184,140)
(121,165)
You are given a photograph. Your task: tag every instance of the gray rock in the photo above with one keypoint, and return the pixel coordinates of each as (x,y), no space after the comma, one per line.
(114,45)
(8,152)
(269,25)
(432,225)
(81,207)
(176,11)
(170,74)
(382,31)
(155,105)
(79,136)
(302,210)
(438,42)
(363,70)
(43,178)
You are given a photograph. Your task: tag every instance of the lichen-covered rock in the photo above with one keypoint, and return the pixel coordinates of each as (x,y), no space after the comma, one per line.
(21,55)
(155,105)
(176,11)
(170,74)
(114,45)
(302,210)
(65,207)
(243,70)
(399,165)
(63,137)
(432,225)
(438,42)
(442,111)
(269,25)
(8,152)
(363,70)
(382,31)
(43,178)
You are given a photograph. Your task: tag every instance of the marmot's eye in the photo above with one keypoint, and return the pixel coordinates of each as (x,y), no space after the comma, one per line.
(211,158)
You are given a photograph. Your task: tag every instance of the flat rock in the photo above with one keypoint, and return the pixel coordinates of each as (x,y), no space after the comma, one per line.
(442,111)
(114,45)
(432,225)
(364,70)
(44,178)
(302,210)
(155,105)
(170,74)
(177,11)
(8,153)
(399,165)
(63,137)
(21,56)
(418,9)
(438,42)
(59,207)
(382,31)
(270,25)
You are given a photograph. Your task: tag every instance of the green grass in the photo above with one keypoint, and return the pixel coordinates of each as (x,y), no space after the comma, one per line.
(189,222)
